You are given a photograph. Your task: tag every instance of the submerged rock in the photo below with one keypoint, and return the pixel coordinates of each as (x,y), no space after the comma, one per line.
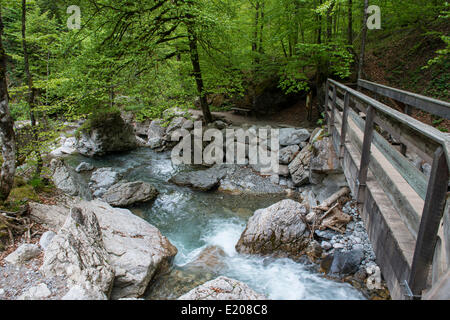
(77,252)
(84,166)
(277,230)
(109,133)
(203,180)
(127,194)
(222,288)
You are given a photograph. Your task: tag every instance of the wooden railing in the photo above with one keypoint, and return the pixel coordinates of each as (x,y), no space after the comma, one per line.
(418,200)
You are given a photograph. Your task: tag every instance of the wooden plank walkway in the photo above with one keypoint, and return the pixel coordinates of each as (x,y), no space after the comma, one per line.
(405,212)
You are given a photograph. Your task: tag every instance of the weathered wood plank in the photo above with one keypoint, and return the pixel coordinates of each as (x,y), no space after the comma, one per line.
(430,105)
(365,156)
(429,225)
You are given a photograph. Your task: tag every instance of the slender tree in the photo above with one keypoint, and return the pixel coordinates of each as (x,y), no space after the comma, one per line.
(363,40)
(29,80)
(7,136)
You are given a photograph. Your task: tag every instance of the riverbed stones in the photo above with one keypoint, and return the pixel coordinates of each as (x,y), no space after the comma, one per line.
(104,135)
(23,254)
(222,288)
(278,230)
(78,253)
(39,292)
(129,193)
(292,136)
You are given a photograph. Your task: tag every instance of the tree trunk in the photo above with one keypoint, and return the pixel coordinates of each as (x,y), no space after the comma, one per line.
(350,23)
(363,41)
(261,29)
(319,21)
(330,22)
(198,73)
(255,35)
(7,135)
(31,90)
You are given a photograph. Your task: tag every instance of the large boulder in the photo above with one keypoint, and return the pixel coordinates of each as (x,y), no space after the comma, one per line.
(77,252)
(156,133)
(278,230)
(129,193)
(324,160)
(292,136)
(67,180)
(222,288)
(138,252)
(104,134)
(299,167)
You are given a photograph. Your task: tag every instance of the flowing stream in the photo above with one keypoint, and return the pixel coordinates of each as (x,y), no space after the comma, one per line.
(205,228)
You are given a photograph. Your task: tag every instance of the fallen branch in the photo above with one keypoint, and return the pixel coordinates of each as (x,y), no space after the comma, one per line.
(325,205)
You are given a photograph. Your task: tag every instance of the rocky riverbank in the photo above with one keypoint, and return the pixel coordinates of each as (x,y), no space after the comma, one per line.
(123,255)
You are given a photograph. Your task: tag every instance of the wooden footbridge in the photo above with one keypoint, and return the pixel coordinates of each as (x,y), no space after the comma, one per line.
(406,212)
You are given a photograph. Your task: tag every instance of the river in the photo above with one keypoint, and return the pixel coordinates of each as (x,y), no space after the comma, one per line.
(194,221)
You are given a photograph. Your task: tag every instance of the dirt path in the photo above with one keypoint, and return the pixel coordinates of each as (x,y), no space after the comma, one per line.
(294,116)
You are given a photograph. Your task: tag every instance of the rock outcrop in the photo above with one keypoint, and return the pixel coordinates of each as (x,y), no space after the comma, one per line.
(138,252)
(155,134)
(278,230)
(129,193)
(102,179)
(222,288)
(299,167)
(105,134)
(78,253)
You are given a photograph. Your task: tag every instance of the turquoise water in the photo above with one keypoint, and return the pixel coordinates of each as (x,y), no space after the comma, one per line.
(194,221)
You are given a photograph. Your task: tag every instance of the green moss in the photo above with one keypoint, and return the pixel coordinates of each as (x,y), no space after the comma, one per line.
(23,194)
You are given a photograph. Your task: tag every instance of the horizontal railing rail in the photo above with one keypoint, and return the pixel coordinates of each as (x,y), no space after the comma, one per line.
(429,143)
(427,104)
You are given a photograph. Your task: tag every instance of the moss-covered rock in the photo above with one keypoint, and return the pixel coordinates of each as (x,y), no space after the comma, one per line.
(103,133)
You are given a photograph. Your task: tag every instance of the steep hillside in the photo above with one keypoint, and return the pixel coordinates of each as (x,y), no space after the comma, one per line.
(397,59)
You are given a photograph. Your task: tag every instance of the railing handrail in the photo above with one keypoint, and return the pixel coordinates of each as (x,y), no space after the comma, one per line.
(437,136)
(433,106)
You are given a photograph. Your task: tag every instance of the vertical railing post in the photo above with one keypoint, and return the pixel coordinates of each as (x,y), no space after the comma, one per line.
(327,99)
(344,124)
(365,154)
(433,211)
(333,110)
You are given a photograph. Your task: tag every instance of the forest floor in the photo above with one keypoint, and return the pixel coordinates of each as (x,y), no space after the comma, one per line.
(293,116)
